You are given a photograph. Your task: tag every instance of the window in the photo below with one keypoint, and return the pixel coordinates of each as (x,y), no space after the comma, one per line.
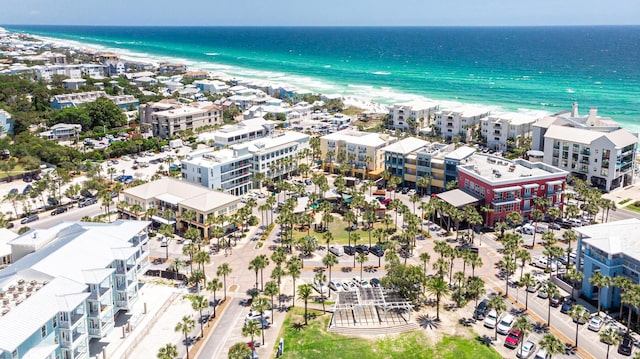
(14,354)
(55,321)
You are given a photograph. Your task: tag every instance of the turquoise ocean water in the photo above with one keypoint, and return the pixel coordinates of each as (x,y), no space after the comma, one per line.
(540,68)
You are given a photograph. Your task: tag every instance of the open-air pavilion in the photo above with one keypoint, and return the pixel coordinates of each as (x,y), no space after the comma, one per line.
(370,307)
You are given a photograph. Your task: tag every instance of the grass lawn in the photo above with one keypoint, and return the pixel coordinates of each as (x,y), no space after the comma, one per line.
(633,207)
(18,169)
(339,230)
(313,341)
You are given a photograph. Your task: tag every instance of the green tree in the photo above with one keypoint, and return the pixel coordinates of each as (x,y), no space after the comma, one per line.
(361,258)
(199,303)
(329,261)
(261,305)
(224,270)
(259,263)
(293,269)
(212,286)
(527,280)
(524,326)
(551,290)
(579,314)
(497,303)
(304,293)
(609,336)
(271,289)
(185,326)
(438,287)
(552,344)
(169,351)
(240,351)
(600,281)
(250,329)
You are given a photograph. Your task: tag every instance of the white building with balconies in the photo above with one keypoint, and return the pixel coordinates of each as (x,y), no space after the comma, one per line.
(413,116)
(500,128)
(458,121)
(66,285)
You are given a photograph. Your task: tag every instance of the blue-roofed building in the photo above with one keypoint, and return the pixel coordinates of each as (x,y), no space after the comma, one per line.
(613,250)
(67,284)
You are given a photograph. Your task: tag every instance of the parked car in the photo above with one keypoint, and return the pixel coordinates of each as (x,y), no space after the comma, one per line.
(13,191)
(513,339)
(361,248)
(335,285)
(542,354)
(491,319)
(567,305)
(626,345)
(320,287)
(30,219)
(534,288)
(481,310)
(165,242)
(262,323)
(376,251)
(364,284)
(27,189)
(59,210)
(349,250)
(505,324)
(87,202)
(27,178)
(336,250)
(467,246)
(526,350)
(375,282)
(554,226)
(349,286)
(255,315)
(595,324)
(556,301)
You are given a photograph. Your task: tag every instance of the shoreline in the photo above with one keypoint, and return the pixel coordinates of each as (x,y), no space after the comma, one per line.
(376,99)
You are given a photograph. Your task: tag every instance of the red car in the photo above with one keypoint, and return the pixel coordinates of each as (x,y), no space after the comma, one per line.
(513,339)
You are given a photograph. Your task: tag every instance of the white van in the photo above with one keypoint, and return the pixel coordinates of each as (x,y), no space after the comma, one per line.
(336,250)
(541,262)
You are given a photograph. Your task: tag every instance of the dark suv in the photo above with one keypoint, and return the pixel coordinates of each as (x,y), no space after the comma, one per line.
(626,345)
(481,310)
(59,210)
(349,250)
(361,248)
(376,251)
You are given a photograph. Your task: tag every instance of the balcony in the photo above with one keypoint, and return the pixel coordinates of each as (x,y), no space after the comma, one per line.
(585,152)
(74,320)
(95,333)
(496,132)
(557,147)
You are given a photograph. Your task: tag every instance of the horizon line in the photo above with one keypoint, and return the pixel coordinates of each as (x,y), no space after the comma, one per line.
(336,26)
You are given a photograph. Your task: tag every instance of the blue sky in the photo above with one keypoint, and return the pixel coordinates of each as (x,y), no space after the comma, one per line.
(325,12)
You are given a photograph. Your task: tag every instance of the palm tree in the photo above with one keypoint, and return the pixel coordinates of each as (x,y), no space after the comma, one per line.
(250,329)
(199,303)
(579,314)
(259,263)
(525,257)
(271,289)
(624,284)
(169,351)
(609,336)
(329,261)
(212,286)
(438,287)
(600,281)
(524,326)
(293,267)
(361,258)
(196,277)
(189,250)
(425,258)
(575,277)
(475,288)
(552,345)
(201,258)
(527,280)
(175,266)
(185,326)
(304,293)
(551,290)
(261,305)
(224,270)
(497,303)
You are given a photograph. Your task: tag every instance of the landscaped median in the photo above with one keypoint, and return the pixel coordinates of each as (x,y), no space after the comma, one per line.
(313,341)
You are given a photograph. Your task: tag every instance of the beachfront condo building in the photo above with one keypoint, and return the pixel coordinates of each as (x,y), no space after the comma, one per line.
(167,118)
(175,197)
(459,122)
(510,186)
(361,152)
(611,249)
(67,284)
(413,116)
(506,130)
(232,170)
(59,102)
(593,148)
(227,170)
(243,131)
(6,123)
(411,159)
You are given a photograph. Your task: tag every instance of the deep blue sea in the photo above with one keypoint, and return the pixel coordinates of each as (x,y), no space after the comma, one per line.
(540,68)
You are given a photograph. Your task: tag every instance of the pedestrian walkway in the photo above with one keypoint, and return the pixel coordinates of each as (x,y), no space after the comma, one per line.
(132,329)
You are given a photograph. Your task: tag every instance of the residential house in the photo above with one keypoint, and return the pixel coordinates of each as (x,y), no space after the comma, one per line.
(176,117)
(62,132)
(243,131)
